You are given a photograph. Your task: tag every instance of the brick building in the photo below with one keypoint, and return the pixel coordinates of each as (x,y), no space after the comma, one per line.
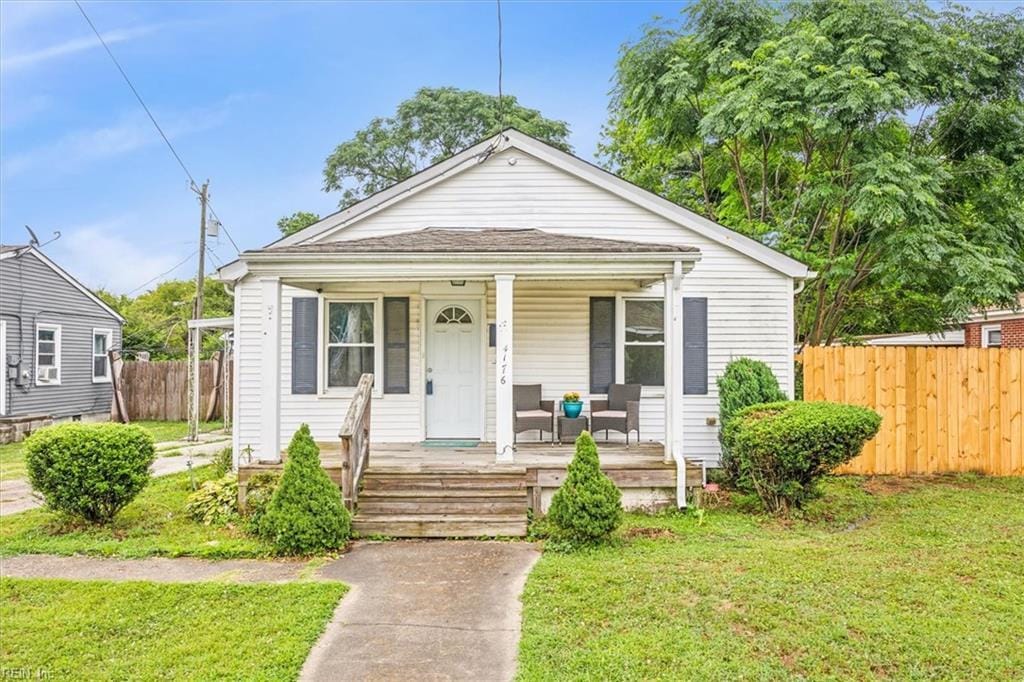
(996,328)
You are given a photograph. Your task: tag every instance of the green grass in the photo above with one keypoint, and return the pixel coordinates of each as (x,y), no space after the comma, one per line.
(890,578)
(12,455)
(154,524)
(165,431)
(12,462)
(78,630)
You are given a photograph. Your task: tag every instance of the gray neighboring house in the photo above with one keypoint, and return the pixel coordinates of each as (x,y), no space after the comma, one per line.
(54,338)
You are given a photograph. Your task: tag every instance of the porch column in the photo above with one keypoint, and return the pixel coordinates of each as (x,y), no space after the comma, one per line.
(674,365)
(503,436)
(270,370)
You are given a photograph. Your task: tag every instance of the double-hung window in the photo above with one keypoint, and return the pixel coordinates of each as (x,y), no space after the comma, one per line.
(992,336)
(644,341)
(101,342)
(47,354)
(351,342)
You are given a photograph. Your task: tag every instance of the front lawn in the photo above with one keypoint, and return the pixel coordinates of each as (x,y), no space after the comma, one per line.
(896,578)
(154,524)
(12,455)
(77,630)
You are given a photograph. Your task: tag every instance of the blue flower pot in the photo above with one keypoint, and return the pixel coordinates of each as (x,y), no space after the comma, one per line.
(572,410)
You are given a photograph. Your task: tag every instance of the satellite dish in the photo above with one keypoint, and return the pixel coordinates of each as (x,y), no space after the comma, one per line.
(33,239)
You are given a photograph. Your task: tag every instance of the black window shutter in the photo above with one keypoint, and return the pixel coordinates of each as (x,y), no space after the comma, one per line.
(695,346)
(396,345)
(304,350)
(602,343)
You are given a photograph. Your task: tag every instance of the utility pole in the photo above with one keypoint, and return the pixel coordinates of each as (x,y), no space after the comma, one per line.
(195,334)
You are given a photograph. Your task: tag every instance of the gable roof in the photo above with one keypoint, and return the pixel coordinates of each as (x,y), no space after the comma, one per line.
(512,138)
(494,240)
(9,251)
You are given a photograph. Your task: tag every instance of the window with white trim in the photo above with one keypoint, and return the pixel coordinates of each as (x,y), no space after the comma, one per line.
(992,336)
(643,341)
(101,343)
(351,343)
(47,354)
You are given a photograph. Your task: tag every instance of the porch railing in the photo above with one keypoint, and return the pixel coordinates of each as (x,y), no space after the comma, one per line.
(355,441)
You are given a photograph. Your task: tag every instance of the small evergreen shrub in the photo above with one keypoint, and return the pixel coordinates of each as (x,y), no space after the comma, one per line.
(784,449)
(89,471)
(258,493)
(216,501)
(305,515)
(587,507)
(744,382)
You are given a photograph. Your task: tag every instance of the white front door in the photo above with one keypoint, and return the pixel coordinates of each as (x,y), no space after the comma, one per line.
(453,369)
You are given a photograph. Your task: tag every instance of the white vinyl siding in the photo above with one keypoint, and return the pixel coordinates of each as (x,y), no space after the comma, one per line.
(749,304)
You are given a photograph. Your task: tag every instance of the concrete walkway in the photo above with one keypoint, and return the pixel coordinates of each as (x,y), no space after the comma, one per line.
(428,610)
(163,570)
(16,495)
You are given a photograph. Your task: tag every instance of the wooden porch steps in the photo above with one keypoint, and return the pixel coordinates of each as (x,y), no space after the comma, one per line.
(440,503)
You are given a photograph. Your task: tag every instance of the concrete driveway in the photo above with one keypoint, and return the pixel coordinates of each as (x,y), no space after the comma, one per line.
(425,610)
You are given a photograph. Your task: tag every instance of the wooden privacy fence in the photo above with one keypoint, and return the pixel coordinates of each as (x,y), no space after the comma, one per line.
(943,409)
(159,390)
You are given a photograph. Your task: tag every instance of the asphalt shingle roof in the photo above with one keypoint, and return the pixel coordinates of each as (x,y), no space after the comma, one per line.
(495,240)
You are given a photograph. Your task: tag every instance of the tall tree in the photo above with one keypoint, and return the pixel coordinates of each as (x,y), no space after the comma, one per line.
(430,126)
(300,220)
(876,140)
(157,321)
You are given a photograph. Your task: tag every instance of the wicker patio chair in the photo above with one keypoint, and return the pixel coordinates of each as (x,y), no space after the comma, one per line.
(530,412)
(620,412)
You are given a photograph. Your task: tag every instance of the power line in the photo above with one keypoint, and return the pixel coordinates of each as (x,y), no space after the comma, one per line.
(167,141)
(163,274)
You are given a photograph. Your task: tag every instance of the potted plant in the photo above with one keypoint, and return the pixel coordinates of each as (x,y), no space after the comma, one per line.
(572,405)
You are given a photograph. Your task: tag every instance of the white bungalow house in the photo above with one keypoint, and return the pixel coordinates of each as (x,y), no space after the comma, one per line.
(511,263)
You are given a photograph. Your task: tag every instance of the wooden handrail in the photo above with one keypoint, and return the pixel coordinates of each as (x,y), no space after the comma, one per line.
(355,441)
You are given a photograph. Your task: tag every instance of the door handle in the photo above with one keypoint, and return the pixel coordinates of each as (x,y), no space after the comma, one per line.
(430,387)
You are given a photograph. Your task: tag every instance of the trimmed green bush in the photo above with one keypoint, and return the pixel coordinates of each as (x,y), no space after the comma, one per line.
(258,493)
(305,514)
(216,501)
(89,471)
(744,382)
(587,507)
(783,449)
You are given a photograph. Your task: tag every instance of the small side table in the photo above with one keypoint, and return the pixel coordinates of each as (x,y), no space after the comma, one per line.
(571,427)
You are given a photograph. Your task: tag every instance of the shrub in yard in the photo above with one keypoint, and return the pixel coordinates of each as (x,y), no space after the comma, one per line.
(258,493)
(744,382)
(783,449)
(216,501)
(90,471)
(223,462)
(587,507)
(305,514)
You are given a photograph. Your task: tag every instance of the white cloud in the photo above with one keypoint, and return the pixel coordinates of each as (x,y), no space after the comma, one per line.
(99,257)
(131,132)
(31,58)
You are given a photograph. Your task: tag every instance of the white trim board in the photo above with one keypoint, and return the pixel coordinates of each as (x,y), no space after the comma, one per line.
(513,139)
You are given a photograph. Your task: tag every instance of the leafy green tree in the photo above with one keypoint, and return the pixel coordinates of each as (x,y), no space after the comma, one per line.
(157,320)
(430,126)
(299,220)
(878,141)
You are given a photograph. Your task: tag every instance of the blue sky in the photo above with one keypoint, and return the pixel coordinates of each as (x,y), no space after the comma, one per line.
(254,95)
